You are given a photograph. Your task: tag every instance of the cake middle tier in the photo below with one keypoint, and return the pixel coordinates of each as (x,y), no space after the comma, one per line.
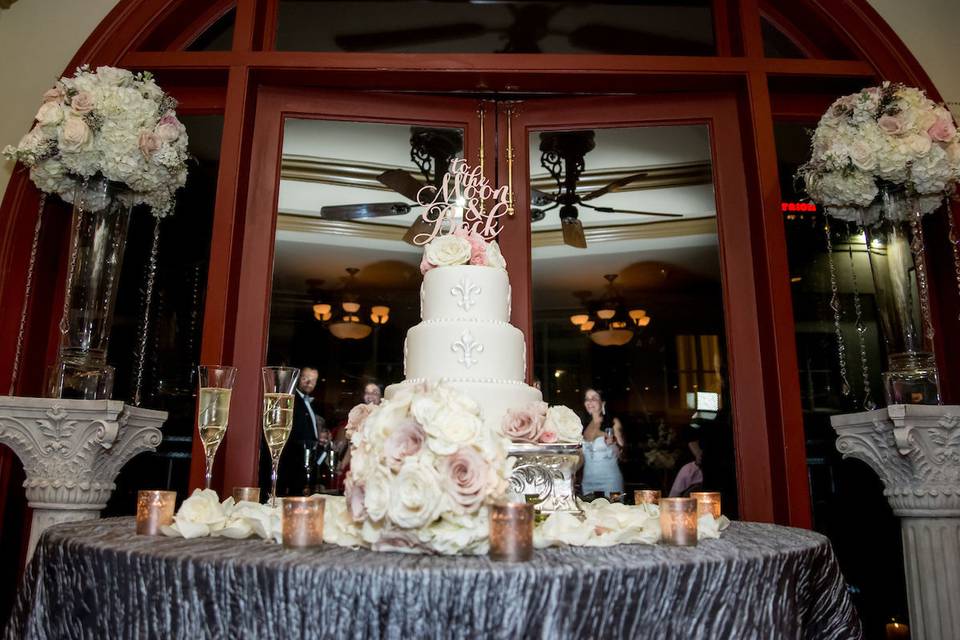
(489,351)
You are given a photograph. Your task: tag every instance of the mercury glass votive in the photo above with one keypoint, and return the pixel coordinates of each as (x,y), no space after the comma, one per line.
(302,521)
(246,494)
(678,521)
(707,502)
(511,531)
(154,510)
(646,496)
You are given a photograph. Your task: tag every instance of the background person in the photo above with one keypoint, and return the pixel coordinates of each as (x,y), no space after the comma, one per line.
(602,445)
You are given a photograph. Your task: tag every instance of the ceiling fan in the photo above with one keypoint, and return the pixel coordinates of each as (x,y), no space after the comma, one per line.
(432,150)
(562,155)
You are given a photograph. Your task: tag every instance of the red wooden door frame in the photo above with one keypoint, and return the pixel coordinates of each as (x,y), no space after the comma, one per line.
(248,293)
(757,396)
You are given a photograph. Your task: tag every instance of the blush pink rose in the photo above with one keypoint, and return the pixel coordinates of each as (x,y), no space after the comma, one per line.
(357,417)
(149,143)
(425,265)
(406,440)
(465,475)
(891,124)
(478,246)
(354,494)
(943,130)
(547,436)
(53,94)
(82,103)
(167,132)
(524,425)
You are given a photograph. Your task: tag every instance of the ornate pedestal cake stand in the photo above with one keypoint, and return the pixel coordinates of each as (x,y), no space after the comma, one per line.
(547,471)
(72,450)
(915,449)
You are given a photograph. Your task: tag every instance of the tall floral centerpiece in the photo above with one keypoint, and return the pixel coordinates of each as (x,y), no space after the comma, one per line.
(105,141)
(882,159)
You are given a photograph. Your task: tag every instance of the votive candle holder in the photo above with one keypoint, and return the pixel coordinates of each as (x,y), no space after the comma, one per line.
(302,521)
(708,502)
(511,532)
(678,521)
(646,496)
(154,510)
(246,494)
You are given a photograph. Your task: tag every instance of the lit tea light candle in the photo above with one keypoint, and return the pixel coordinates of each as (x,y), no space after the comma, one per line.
(302,521)
(615,496)
(246,494)
(646,496)
(511,531)
(154,510)
(707,502)
(678,521)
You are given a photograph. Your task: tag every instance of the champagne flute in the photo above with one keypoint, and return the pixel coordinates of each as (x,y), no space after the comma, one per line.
(213,408)
(278,386)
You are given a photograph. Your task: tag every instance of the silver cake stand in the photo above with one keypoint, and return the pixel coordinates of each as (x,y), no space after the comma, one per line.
(545,473)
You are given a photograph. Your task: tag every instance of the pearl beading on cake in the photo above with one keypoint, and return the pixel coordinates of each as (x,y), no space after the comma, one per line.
(463,320)
(465,380)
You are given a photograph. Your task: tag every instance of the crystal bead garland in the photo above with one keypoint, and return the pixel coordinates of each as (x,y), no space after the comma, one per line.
(917,248)
(955,250)
(868,402)
(27,290)
(145,320)
(835,306)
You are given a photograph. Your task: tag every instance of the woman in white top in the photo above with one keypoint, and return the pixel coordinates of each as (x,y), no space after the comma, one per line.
(602,444)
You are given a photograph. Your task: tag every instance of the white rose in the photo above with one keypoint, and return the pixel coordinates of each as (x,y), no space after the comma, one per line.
(449,429)
(168,132)
(376,497)
(565,423)
(447,251)
(417,496)
(494,257)
(453,535)
(200,515)
(75,134)
(112,76)
(50,113)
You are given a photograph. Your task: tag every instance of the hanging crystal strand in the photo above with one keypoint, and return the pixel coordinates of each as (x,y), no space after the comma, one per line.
(27,290)
(145,320)
(954,248)
(835,306)
(917,248)
(868,402)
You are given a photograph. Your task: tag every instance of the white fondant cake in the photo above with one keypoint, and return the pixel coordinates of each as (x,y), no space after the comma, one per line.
(466,340)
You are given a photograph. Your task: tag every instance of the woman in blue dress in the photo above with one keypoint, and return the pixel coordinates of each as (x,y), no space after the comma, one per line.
(602,444)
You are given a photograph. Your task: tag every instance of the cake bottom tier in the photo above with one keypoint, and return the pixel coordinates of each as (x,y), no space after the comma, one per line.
(494,398)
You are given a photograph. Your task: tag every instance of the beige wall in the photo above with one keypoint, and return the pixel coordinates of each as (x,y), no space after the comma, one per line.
(38,38)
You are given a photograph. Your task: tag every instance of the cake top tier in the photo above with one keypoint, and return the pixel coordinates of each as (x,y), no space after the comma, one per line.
(461,247)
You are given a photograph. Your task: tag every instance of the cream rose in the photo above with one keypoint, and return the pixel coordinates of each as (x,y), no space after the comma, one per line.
(565,423)
(50,113)
(494,257)
(54,94)
(168,132)
(447,251)
(376,495)
(525,425)
(354,494)
(75,134)
(357,417)
(466,476)
(405,440)
(200,515)
(451,428)
(82,103)
(416,496)
(114,76)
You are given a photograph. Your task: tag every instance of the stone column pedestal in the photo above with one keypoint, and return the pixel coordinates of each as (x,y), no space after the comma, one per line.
(915,449)
(72,451)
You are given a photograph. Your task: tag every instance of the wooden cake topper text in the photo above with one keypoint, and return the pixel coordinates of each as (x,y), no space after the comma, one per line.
(462,195)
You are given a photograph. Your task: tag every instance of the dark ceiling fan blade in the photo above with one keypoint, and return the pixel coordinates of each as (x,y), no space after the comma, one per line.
(536,215)
(404,37)
(541,198)
(402,182)
(418,227)
(602,38)
(364,211)
(639,213)
(573,233)
(613,186)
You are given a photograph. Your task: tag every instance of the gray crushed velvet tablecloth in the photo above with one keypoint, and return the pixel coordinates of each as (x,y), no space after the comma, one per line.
(97,579)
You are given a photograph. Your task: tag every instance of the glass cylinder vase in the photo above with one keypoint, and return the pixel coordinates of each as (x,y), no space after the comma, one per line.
(101,212)
(895,246)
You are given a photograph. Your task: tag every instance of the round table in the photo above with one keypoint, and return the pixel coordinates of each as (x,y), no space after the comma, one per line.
(97,579)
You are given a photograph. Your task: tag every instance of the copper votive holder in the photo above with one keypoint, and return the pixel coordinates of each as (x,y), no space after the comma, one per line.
(303,521)
(646,496)
(678,521)
(246,494)
(708,502)
(154,510)
(511,532)
(616,496)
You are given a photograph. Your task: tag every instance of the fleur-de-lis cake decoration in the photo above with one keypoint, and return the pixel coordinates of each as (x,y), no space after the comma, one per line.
(465,290)
(467,346)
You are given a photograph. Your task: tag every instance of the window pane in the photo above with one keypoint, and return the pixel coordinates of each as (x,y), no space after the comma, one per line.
(218,37)
(176,318)
(660,359)
(776,44)
(847,496)
(339,258)
(651,28)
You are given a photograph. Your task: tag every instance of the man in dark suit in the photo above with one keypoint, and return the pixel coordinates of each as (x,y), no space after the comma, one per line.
(297,461)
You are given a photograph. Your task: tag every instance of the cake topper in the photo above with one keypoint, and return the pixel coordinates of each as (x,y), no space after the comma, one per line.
(459,204)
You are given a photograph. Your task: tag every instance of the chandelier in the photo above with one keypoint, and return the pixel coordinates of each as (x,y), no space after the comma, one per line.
(345,323)
(608,323)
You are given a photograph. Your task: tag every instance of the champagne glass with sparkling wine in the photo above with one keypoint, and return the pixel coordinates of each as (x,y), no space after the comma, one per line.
(213,409)
(278,386)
